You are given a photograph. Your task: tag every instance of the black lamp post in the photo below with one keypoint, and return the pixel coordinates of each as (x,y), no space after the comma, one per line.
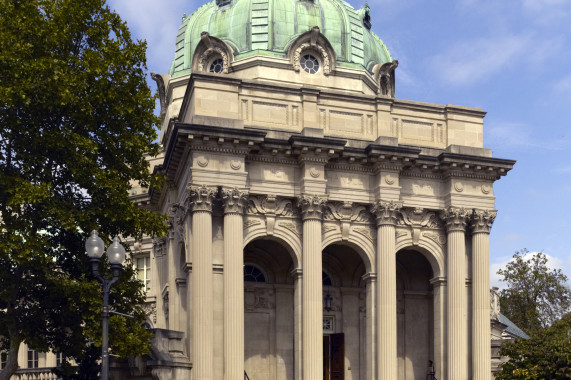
(116,255)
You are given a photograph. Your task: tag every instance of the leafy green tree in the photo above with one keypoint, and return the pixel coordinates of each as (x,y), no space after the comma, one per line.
(535,296)
(546,355)
(76,118)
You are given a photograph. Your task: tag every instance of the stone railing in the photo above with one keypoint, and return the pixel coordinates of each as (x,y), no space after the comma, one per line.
(35,374)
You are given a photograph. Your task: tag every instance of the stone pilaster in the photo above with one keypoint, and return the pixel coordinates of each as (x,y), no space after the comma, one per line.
(297,323)
(234,202)
(201,199)
(386,215)
(439,302)
(312,312)
(456,219)
(481,224)
(371,287)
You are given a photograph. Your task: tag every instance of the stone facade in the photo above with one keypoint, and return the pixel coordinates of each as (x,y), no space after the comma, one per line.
(320,227)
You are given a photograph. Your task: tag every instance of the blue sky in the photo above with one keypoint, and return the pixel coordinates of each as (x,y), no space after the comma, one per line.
(511,58)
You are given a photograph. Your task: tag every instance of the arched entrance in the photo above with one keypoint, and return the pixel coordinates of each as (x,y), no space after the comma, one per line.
(415,316)
(344,317)
(268,311)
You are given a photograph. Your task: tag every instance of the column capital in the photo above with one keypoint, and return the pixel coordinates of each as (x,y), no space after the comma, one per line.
(455,218)
(311,206)
(201,198)
(386,213)
(234,201)
(482,220)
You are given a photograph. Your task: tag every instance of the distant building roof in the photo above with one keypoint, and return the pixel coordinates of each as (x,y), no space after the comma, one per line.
(512,328)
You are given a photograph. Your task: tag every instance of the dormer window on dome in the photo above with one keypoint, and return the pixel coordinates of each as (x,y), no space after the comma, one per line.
(211,55)
(312,53)
(309,64)
(216,65)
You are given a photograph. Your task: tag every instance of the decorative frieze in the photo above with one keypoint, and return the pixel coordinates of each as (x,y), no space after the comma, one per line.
(201,198)
(311,207)
(386,212)
(455,218)
(482,221)
(234,201)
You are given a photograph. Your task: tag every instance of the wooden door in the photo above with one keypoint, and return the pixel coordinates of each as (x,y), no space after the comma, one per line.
(337,356)
(334,357)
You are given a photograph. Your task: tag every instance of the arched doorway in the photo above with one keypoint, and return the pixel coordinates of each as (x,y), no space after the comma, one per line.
(268,311)
(415,316)
(344,318)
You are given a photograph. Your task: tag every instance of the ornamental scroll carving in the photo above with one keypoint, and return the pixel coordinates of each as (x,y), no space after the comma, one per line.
(482,221)
(455,218)
(271,204)
(346,211)
(418,219)
(201,198)
(311,207)
(150,309)
(234,201)
(386,212)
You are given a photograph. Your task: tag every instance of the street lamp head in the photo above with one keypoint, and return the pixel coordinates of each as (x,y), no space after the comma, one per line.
(94,246)
(116,252)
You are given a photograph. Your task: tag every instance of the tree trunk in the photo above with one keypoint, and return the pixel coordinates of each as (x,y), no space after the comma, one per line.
(11,359)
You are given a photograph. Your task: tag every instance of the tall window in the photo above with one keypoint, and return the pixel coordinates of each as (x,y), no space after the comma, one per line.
(59,359)
(32,359)
(3,358)
(144,271)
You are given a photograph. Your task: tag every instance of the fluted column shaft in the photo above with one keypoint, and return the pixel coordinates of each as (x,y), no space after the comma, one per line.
(234,202)
(481,224)
(386,214)
(457,305)
(312,306)
(202,313)
(371,285)
(174,302)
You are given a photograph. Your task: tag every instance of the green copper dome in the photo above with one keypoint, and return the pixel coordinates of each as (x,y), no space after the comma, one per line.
(268,27)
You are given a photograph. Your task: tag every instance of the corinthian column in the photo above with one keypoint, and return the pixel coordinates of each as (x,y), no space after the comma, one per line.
(386,215)
(457,336)
(481,224)
(201,199)
(312,309)
(234,203)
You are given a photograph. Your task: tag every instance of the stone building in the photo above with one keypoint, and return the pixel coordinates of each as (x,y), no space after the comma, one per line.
(321,228)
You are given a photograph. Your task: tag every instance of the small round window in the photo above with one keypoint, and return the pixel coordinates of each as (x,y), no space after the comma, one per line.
(216,66)
(309,64)
(253,274)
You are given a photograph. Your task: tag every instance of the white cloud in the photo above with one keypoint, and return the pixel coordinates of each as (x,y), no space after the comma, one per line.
(478,60)
(552,263)
(155,23)
(547,12)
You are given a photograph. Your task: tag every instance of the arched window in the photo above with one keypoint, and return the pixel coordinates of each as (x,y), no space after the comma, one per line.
(216,66)
(253,274)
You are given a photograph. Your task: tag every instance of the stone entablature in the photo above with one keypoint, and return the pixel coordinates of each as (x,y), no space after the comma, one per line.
(360,115)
